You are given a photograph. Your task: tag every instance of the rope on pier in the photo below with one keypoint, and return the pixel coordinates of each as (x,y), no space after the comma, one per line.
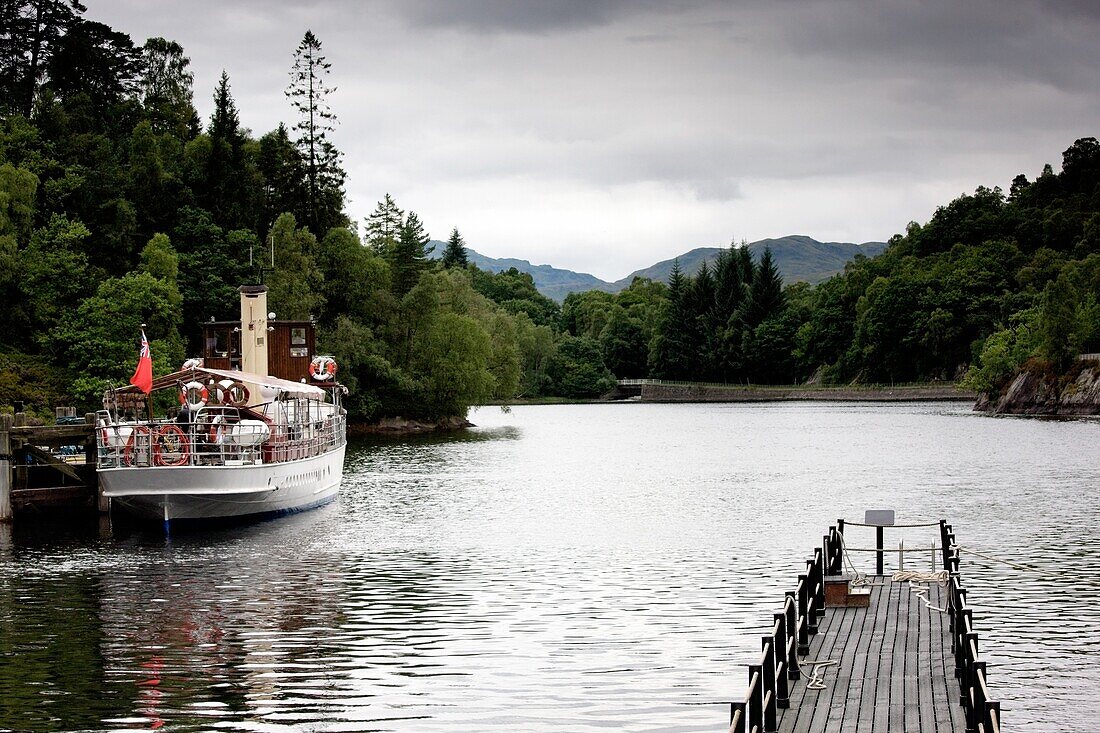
(918,584)
(817,675)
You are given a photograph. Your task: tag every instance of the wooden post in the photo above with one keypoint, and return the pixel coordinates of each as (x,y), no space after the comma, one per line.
(5,467)
(901,554)
(878,555)
(91,457)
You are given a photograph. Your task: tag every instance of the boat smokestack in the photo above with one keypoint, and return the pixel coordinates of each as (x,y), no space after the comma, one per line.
(254,329)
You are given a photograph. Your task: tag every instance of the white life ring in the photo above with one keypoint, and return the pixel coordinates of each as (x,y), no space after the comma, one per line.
(194,394)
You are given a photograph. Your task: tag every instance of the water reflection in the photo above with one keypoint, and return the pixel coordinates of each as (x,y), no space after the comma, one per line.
(558,568)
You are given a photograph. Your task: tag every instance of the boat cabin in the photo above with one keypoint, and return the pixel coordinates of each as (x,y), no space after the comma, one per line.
(282,349)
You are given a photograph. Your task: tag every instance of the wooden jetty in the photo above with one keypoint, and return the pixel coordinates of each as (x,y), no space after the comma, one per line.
(47,467)
(889,654)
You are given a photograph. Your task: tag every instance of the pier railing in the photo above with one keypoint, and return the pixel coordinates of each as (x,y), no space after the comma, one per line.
(983,714)
(771,679)
(778,669)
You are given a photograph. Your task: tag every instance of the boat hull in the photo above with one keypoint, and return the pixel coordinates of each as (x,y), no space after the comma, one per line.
(221,492)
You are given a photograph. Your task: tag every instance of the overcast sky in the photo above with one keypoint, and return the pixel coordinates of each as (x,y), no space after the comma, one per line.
(604,135)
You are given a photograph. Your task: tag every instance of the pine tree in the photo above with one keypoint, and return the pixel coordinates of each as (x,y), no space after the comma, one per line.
(669,356)
(384,226)
(225,191)
(308,92)
(409,257)
(30,31)
(455,253)
(765,297)
(284,178)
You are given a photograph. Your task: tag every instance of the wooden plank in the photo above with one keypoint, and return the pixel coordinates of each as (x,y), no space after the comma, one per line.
(912,681)
(883,687)
(858,665)
(48,459)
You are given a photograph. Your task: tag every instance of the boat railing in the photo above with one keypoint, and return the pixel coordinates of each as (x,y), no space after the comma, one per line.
(214,436)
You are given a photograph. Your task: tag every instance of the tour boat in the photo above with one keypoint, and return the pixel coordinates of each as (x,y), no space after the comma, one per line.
(245,441)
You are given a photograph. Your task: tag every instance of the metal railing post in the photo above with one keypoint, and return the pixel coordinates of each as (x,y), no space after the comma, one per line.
(790,610)
(779,652)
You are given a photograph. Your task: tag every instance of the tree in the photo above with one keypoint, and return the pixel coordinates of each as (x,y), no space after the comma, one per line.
(454,255)
(94,60)
(765,296)
(577,369)
(294,288)
(29,34)
(308,93)
(670,353)
(409,257)
(1058,323)
(283,175)
(166,88)
(226,193)
(384,226)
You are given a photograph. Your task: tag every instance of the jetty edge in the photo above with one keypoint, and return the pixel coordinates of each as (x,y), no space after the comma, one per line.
(883,656)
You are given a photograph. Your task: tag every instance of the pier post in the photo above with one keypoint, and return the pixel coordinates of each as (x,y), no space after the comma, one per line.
(91,458)
(878,556)
(5,467)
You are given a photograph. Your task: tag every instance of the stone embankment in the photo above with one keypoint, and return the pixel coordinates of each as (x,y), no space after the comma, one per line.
(733,393)
(1037,392)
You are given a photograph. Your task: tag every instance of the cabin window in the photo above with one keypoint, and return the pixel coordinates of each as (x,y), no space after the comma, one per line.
(298,345)
(221,342)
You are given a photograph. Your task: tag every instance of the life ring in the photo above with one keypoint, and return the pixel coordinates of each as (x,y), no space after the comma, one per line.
(128,451)
(163,445)
(219,390)
(322,368)
(194,394)
(236,395)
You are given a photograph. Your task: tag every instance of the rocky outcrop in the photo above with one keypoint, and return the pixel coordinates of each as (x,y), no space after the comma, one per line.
(1034,391)
(401,426)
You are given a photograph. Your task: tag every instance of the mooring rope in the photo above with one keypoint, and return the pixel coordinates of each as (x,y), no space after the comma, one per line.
(920,583)
(817,674)
(861,524)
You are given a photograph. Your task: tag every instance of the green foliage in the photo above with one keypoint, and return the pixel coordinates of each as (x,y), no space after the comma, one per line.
(515,292)
(577,369)
(455,253)
(294,288)
(1004,351)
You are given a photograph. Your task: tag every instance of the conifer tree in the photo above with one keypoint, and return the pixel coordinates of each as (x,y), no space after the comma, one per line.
(225,188)
(454,255)
(308,92)
(765,297)
(384,226)
(409,257)
(669,355)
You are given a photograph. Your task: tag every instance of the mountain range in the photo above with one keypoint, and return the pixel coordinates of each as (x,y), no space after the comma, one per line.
(799,259)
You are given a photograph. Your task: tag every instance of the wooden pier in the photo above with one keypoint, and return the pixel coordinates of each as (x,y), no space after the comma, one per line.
(889,653)
(47,467)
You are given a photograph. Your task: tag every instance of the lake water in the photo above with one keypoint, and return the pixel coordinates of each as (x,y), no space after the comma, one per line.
(559,568)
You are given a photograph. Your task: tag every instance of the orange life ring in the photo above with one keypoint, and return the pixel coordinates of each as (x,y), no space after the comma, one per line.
(322,368)
(236,395)
(194,395)
(183,446)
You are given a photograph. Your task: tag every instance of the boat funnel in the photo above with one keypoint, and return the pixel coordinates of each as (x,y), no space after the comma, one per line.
(254,334)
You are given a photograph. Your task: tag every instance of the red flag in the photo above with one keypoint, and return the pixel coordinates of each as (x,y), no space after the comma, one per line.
(143,375)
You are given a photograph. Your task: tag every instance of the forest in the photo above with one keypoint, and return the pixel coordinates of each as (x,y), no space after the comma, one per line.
(119,206)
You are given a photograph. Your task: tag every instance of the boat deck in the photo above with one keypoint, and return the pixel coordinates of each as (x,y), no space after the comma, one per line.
(895,671)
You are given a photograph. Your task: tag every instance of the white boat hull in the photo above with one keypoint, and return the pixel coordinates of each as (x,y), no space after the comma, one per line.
(226,491)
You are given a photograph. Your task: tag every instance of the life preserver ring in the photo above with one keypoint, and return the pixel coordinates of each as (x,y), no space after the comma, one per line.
(194,394)
(322,368)
(163,448)
(131,442)
(235,395)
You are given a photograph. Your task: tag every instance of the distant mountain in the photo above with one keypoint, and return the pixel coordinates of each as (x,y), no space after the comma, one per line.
(799,259)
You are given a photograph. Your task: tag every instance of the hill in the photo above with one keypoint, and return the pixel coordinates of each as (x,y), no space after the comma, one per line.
(798,257)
